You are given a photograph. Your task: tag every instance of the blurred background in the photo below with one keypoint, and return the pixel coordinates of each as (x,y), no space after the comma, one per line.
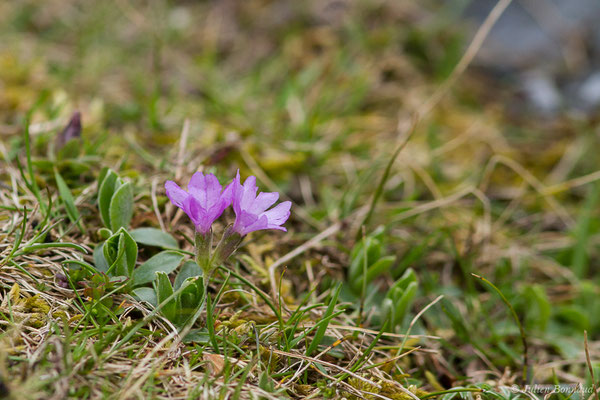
(548,50)
(544,53)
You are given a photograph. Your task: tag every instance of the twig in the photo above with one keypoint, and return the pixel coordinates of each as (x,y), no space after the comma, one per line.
(185,132)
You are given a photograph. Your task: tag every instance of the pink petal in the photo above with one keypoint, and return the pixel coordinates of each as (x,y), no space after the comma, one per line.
(227,194)
(197,214)
(263,201)
(249,193)
(243,220)
(197,187)
(190,208)
(259,224)
(279,228)
(176,194)
(279,214)
(250,209)
(217,209)
(236,194)
(213,190)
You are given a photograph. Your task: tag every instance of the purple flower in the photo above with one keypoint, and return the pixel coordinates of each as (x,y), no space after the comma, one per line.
(204,201)
(251,210)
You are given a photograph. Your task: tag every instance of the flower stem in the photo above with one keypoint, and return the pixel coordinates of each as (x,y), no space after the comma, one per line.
(203,244)
(227,245)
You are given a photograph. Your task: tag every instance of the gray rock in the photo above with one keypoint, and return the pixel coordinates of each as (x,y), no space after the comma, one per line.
(551,48)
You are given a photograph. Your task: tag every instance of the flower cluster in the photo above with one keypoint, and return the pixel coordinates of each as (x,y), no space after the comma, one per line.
(204,202)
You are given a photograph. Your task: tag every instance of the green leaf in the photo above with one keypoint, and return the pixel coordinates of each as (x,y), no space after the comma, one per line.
(375,270)
(199,336)
(163,289)
(387,308)
(99,259)
(102,175)
(120,252)
(110,249)
(67,198)
(114,253)
(400,297)
(154,237)
(166,261)
(189,299)
(105,193)
(131,251)
(374,250)
(121,207)
(402,306)
(189,270)
(105,233)
(369,248)
(407,277)
(146,294)
(379,267)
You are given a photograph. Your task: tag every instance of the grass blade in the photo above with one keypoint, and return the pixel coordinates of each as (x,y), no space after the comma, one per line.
(517,320)
(318,338)
(67,198)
